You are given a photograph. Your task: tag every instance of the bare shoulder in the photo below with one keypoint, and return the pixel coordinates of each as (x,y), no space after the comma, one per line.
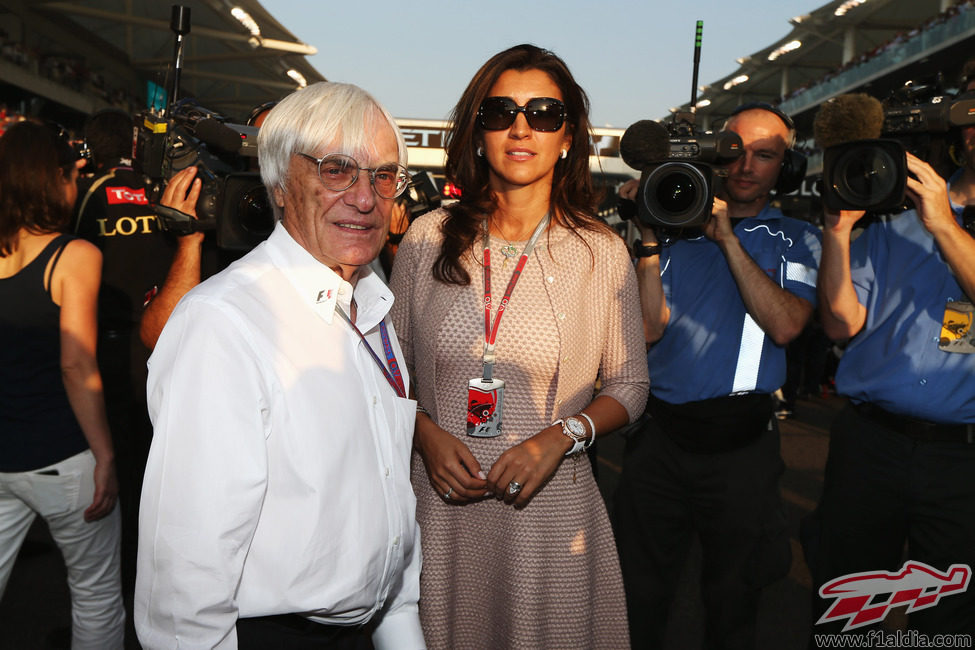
(81,250)
(80,260)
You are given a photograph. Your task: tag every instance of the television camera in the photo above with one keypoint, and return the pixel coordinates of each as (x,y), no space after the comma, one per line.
(233,202)
(680,166)
(865,142)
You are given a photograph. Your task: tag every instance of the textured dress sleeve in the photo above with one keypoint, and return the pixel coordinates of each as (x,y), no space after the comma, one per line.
(402,282)
(623,367)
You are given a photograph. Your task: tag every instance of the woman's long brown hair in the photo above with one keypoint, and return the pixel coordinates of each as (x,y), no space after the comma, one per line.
(34,163)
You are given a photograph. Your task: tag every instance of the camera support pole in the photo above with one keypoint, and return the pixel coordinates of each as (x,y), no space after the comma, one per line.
(698,31)
(179,22)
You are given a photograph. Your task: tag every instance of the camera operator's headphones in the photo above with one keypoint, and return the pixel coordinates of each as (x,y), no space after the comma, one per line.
(793,163)
(259,110)
(956,144)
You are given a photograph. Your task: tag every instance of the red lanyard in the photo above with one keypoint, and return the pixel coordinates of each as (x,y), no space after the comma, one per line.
(491,332)
(393,374)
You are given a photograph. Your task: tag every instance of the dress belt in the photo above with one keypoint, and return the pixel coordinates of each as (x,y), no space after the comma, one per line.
(921,430)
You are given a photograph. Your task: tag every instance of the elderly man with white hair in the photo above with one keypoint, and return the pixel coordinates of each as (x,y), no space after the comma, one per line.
(277,509)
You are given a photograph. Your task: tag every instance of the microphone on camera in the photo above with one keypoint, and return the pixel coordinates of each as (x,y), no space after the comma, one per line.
(846,118)
(644,143)
(215,134)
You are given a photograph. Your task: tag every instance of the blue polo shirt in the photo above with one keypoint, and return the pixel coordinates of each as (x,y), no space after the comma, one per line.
(712,347)
(894,361)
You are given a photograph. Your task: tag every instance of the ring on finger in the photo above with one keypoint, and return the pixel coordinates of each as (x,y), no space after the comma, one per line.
(514,487)
(450,490)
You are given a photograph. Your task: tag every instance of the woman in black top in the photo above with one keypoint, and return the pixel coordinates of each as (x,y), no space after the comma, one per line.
(56,456)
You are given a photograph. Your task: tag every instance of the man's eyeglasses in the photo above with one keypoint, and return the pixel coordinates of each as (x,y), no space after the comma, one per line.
(542,113)
(340,172)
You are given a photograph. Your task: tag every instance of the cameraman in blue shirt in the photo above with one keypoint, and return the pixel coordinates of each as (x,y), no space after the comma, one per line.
(718,311)
(902,459)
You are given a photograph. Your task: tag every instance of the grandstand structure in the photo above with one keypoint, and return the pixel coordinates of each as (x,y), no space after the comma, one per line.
(66,59)
(870,46)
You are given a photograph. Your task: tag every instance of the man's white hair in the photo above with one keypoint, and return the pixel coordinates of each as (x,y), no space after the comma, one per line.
(324,114)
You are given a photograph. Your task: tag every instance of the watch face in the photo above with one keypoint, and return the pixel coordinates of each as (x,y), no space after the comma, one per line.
(576,428)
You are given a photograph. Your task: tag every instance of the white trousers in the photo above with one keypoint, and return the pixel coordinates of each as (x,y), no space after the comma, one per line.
(60,493)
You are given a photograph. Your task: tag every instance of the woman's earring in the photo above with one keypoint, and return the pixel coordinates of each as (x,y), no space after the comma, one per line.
(480,152)
(565,153)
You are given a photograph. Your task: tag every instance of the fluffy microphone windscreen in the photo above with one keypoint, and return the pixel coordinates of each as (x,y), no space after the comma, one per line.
(644,143)
(845,118)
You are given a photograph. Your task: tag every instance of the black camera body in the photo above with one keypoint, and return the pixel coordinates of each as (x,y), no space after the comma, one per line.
(233,201)
(871,174)
(677,189)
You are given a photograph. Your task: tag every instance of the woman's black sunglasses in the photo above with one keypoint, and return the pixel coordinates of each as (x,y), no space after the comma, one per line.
(542,113)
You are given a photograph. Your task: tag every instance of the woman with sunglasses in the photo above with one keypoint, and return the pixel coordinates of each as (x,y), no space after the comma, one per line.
(510,305)
(56,457)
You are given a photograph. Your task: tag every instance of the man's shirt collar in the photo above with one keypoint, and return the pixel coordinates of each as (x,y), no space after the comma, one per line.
(323,289)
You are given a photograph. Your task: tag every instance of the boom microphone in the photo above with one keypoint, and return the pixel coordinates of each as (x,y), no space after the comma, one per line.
(846,118)
(217,135)
(644,143)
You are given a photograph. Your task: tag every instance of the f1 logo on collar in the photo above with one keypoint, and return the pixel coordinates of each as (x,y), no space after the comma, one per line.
(324,295)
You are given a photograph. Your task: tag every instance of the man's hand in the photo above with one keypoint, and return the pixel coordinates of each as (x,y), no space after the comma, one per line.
(930,195)
(181,193)
(629,189)
(842,221)
(628,192)
(718,227)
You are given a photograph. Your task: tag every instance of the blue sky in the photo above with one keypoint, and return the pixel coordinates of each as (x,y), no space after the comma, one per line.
(633,58)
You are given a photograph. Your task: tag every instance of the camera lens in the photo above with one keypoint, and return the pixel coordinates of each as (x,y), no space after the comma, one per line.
(677,194)
(254,212)
(865,176)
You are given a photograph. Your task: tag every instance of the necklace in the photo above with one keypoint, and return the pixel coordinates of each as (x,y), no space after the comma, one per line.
(509,250)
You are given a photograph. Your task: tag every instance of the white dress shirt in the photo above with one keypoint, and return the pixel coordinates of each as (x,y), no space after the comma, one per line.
(279,478)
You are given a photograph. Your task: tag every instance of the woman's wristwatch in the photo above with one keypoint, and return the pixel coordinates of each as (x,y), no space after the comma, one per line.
(574,428)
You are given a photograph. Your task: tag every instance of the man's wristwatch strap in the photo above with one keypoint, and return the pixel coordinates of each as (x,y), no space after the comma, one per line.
(641,250)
